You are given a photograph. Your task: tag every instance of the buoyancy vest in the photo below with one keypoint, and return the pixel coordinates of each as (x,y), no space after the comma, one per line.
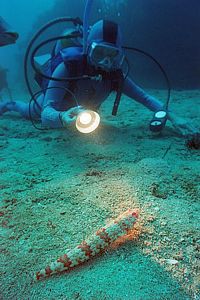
(76,64)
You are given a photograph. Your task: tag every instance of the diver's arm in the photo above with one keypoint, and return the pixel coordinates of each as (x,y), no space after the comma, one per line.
(133,91)
(50,116)
(182,126)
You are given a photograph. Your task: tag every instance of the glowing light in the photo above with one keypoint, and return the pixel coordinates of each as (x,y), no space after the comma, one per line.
(87,121)
(85,118)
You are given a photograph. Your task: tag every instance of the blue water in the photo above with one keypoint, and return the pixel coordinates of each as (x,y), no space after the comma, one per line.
(168,30)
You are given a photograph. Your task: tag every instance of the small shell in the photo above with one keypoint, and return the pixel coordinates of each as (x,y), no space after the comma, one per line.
(172,261)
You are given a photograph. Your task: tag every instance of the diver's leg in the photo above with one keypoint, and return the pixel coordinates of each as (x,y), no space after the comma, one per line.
(24,109)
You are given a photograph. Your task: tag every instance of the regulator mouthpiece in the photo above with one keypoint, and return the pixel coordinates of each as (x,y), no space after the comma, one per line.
(87,121)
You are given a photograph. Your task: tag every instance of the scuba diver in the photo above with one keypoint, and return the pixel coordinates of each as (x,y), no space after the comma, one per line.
(96,63)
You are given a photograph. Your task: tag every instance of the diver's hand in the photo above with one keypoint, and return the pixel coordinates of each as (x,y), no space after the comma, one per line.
(69,117)
(182,125)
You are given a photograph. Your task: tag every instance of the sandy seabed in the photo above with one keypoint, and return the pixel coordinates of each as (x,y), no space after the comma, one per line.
(57,187)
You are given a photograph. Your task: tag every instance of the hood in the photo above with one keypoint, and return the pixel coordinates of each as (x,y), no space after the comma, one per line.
(105,31)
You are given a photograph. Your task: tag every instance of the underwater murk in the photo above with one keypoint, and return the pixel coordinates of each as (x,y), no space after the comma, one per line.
(99,150)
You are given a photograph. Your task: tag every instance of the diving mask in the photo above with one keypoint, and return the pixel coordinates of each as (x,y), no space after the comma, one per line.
(105,56)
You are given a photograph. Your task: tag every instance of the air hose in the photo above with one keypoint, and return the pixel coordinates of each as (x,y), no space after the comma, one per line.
(160,67)
(75,21)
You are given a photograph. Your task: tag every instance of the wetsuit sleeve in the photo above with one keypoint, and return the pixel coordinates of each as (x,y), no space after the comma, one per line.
(53,99)
(133,91)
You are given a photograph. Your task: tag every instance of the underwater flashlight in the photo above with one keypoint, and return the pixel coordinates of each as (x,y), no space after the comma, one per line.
(87,121)
(159,120)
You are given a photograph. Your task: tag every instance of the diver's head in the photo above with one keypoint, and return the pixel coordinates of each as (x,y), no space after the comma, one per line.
(104,46)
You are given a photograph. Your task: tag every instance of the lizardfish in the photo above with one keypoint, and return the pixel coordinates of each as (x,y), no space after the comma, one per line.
(96,244)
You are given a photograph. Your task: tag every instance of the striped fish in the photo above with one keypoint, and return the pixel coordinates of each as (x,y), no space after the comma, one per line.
(97,243)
